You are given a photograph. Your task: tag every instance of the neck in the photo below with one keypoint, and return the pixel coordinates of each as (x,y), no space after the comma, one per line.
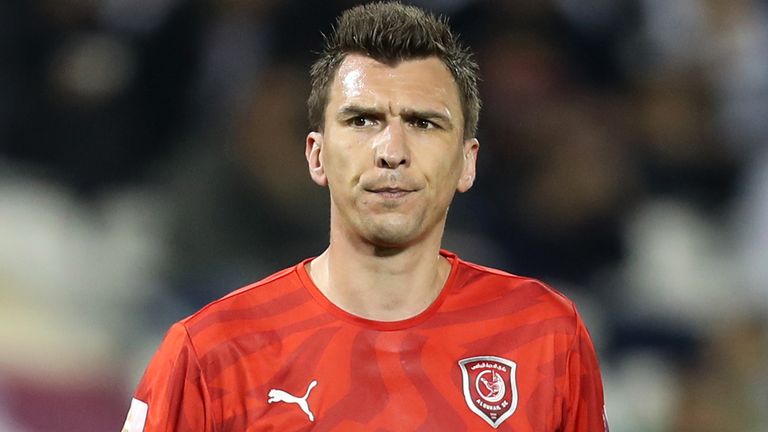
(383,284)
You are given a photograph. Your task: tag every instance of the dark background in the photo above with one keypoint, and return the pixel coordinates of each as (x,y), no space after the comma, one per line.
(151,160)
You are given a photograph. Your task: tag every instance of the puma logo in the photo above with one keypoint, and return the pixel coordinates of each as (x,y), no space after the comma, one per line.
(277,395)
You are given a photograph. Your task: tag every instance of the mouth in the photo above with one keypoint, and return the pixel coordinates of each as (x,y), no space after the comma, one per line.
(390,192)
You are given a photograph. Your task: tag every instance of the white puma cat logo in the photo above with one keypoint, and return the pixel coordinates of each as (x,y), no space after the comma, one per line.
(277,395)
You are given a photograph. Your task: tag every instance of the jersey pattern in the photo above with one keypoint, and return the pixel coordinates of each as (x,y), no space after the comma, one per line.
(494,351)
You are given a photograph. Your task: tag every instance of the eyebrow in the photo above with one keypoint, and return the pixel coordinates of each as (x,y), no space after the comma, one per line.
(427,114)
(357,110)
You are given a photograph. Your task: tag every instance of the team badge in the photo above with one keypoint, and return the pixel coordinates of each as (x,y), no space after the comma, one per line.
(489,387)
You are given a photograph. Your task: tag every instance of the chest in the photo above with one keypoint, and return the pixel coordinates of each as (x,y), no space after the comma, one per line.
(344,378)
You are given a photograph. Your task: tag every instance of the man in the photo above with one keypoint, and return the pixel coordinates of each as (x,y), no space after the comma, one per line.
(384,331)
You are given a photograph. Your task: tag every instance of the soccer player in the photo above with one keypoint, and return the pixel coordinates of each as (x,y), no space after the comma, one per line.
(384,331)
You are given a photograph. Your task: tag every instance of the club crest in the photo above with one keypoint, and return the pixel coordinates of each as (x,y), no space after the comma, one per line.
(489,387)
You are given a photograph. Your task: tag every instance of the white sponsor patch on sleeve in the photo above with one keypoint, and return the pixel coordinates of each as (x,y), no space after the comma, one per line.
(137,416)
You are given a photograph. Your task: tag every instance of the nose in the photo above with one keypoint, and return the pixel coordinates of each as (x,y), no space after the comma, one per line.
(392,147)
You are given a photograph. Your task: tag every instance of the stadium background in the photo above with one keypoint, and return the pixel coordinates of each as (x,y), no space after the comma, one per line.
(151,160)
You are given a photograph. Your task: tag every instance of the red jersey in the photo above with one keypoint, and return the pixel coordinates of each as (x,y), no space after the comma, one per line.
(494,350)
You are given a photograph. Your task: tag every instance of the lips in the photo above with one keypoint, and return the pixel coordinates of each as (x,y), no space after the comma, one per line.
(389,192)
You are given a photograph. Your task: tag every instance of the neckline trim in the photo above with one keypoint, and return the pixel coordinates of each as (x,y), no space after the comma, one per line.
(370,324)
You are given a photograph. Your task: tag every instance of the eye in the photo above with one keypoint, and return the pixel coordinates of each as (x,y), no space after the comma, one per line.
(361,121)
(420,123)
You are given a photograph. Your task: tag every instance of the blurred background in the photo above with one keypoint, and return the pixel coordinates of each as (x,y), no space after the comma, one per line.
(151,160)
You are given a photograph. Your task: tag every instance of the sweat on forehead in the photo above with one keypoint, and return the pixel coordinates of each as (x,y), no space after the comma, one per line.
(390,33)
(421,88)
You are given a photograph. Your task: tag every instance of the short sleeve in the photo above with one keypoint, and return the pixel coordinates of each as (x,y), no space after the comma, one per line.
(172,395)
(585,406)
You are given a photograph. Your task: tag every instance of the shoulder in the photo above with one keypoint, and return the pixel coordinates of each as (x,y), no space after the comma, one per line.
(245,308)
(515,291)
(485,279)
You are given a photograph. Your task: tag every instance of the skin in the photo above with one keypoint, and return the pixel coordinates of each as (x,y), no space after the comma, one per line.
(392,154)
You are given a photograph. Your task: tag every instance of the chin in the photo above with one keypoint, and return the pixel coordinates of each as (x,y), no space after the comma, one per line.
(392,235)
(382,242)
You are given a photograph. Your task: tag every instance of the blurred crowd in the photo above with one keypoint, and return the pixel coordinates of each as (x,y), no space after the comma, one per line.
(151,160)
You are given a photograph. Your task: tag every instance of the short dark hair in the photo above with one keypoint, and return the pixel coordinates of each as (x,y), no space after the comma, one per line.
(390,32)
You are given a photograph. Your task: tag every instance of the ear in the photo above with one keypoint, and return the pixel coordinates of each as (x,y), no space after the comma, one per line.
(313,151)
(469,167)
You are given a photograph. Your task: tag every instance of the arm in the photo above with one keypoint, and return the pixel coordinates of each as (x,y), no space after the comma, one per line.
(585,406)
(172,396)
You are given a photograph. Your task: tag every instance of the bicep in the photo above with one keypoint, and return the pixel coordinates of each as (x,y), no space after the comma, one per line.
(172,395)
(584,398)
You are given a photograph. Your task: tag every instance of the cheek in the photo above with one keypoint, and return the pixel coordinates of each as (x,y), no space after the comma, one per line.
(446,171)
(341,163)
(450,180)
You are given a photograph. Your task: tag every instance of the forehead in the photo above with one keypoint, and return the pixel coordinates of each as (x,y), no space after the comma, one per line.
(419,83)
